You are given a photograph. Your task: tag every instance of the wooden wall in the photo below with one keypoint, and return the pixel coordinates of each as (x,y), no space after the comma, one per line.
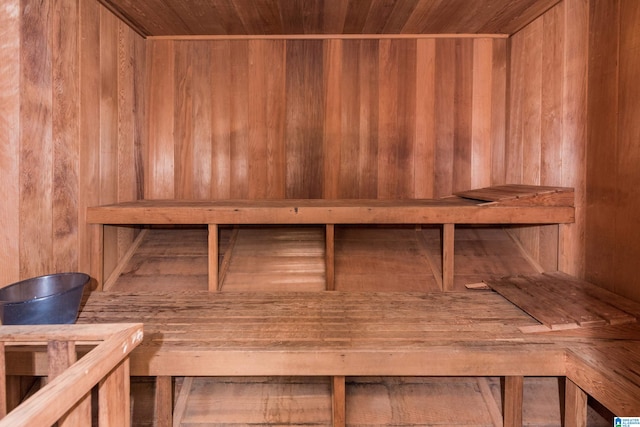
(67,103)
(381,118)
(314,118)
(546,142)
(613,171)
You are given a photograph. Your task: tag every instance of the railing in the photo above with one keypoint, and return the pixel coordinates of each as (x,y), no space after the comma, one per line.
(66,398)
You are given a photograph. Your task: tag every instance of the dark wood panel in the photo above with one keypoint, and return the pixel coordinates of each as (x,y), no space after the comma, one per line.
(267,17)
(322,118)
(304,119)
(628,155)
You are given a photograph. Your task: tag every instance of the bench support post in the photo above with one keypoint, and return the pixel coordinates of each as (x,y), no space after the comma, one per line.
(330,257)
(338,401)
(164,401)
(575,408)
(97,254)
(448,232)
(513,389)
(214,286)
(61,355)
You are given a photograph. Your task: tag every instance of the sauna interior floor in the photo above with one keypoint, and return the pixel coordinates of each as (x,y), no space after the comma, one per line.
(292,258)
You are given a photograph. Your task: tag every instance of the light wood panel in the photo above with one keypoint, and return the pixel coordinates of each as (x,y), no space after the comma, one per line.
(612,233)
(9,140)
(36,142)
(546,138)
(70,109)
(242,17)
(111,109)
(322,118)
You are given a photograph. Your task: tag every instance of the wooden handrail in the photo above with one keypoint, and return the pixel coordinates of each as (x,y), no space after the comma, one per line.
(107,364)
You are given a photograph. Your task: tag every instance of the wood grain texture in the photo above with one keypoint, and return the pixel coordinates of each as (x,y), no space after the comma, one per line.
(358,333)
(66,141)
(10,141)
(89,130)
(513,396)
(612,231)
(36,141)
(71,137)
(320,118)
(237,17)
(547,123)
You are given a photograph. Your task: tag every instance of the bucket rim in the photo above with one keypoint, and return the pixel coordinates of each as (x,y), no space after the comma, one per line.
(82,284)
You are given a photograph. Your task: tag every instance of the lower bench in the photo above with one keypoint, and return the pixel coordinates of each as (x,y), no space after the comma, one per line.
(339,334)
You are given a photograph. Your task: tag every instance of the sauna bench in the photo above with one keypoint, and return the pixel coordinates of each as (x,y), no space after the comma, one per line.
(344,334)
(507,204)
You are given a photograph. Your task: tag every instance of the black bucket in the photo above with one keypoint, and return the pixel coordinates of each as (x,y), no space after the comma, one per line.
(45,300)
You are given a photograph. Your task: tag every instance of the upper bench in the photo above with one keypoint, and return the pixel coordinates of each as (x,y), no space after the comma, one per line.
(504,204)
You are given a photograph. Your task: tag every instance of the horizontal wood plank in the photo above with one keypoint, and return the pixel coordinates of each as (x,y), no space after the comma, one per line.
(318,211)
(327,333)
(560,301)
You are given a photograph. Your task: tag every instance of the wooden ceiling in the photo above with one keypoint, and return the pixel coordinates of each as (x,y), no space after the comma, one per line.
(326,17)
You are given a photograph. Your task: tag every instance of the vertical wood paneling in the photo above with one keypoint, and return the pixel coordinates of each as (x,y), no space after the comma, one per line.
(126,118)
(183,121)
(65,114)
(349,128)
(444,95)
(602,162)
(333,113)
(89,124)
(159,177)
(201,175)
(36,140)
(547,123)
(482,118)
(397,119)
(628,154)
(499,93)
(463,115)
(258,168)
(266,112)
(108,71)
(551,126)
(613,229)
(425,132)
(370,118)
(304,119)
(275,60)
(9,140)
(576,37)
(239,143)
(368,133)
(221,120)
(73,139)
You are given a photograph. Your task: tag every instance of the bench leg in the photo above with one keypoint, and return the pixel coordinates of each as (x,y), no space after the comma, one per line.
(214,286)
(575,406)
(338,401)
(448,232)
(513,387)
(164,401)
(97,254)
(330,257)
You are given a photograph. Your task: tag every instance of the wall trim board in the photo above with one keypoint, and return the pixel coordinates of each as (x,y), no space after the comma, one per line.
(331,37)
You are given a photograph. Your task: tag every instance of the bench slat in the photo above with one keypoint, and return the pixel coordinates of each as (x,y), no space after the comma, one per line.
(319,211)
